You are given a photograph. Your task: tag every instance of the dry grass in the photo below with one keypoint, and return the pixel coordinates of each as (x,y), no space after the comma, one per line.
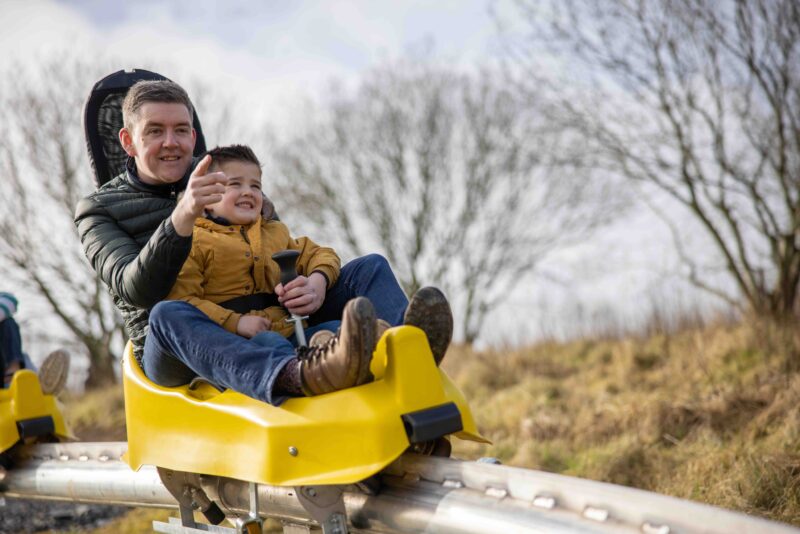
(709,414)
(98,415)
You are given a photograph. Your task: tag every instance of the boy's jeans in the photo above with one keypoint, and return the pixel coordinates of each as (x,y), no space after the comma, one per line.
(275,340)
(183,342)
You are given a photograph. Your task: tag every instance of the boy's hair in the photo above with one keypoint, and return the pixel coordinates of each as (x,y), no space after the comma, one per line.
(161,91)
(222,154)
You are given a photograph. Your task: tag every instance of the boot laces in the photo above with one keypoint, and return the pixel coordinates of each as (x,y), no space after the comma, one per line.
(317,351)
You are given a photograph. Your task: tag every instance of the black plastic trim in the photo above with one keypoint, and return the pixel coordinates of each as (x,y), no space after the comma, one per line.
(38,426)
(431,423)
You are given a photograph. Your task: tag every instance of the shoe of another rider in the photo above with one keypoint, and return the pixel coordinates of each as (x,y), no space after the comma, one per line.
(430,311)
(54,371)
(342,361)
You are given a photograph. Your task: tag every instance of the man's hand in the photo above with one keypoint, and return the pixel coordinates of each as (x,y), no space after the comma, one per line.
(303,296)
(250,325)
(204,188)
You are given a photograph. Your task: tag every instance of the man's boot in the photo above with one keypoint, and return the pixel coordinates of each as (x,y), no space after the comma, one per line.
(53,372)
(343,361)
(383,326)
(430,311)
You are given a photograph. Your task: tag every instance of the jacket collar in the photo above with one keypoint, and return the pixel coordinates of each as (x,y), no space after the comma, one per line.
(217,225)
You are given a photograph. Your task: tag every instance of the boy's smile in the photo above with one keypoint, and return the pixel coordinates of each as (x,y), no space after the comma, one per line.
(241,203)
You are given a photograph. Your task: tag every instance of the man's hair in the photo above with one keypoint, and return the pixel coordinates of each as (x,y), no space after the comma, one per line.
(222,154)
(161,91)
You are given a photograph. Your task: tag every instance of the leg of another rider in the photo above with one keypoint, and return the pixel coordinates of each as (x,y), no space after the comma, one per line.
(11,356)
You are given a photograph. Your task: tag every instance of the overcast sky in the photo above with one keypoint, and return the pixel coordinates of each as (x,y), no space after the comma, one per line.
(266,54)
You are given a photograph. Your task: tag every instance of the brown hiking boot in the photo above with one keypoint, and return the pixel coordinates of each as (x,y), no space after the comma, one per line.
(320,338)
(323,336)
(430,311)
(343,361)
(383,326)
(53,372)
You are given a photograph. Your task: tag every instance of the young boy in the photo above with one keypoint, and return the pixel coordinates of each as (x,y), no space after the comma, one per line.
(230,265)
(230,276)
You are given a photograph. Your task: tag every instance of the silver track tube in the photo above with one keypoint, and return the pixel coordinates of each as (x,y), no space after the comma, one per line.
(418,494)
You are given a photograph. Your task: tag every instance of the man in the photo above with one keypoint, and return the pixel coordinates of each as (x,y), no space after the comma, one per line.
(137,235)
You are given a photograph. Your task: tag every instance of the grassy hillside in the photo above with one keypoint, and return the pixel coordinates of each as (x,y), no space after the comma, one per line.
(711,415)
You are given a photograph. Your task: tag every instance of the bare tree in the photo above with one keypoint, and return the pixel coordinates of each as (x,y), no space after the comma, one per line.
(448,174)
(699,98)
(44,174)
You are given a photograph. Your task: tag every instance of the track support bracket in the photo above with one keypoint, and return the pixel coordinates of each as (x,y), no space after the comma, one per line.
(326,505)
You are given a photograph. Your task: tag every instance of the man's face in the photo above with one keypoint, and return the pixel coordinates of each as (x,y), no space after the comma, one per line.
(242,200)
(162,140)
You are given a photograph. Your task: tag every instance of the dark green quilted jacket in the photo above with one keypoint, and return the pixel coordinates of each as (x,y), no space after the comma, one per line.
(129,239)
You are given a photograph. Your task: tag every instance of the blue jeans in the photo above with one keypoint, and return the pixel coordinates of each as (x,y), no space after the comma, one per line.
(275,340)
(183,342)
(368,276)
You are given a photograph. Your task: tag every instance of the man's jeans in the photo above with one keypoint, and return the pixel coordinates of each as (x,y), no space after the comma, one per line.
(369,276)
(183,342)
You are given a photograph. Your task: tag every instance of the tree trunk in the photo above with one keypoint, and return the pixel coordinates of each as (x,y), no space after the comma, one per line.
(101,368)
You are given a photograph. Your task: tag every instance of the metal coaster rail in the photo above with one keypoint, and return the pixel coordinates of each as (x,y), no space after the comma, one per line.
(417,494)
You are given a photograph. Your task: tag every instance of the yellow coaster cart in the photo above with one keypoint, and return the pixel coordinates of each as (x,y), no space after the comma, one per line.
(317,444)
(27,415)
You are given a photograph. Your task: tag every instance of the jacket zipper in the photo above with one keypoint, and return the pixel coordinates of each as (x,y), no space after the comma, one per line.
(252,253)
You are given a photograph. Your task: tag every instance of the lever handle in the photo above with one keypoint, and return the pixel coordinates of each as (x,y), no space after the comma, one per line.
(287,261)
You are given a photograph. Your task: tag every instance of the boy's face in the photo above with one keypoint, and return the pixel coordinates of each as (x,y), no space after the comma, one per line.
(162,140)
(241,202)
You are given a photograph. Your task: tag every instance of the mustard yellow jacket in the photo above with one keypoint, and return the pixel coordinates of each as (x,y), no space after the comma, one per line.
(232,261)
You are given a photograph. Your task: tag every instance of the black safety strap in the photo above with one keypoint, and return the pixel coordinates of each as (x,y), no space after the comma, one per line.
(248,303)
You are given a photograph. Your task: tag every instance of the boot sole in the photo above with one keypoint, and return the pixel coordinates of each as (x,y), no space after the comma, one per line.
(430,311)
(363,312)
(53,372)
